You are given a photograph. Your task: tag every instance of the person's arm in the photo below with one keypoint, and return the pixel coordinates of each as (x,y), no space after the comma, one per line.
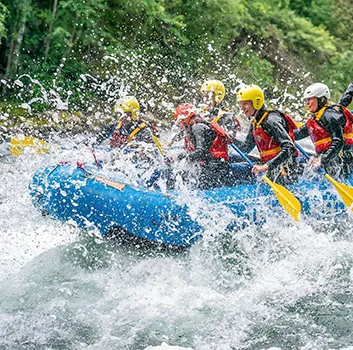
(230,124)
(333,121)
(347,97)
(275,126)
(301,133)
(204,136)
(176,137)
(248,144)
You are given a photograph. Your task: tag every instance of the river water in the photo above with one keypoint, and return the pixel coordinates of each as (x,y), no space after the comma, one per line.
(281,286)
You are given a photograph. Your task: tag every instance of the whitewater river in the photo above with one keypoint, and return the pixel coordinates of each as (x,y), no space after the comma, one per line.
(283,286)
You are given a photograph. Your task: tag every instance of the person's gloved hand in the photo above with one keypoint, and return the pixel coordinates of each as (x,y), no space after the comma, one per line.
(315,162)
(258,169)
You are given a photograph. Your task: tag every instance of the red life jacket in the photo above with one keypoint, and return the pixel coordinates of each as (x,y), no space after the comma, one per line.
(119,140)
(266,144)
(322,138)
(219,148)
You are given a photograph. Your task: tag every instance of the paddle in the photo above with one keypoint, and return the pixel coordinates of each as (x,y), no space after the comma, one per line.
(155,139)
(288,201)
(158,144)
(346,192)
(18,145)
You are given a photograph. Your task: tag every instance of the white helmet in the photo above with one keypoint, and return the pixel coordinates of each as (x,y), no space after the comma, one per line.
(317,90)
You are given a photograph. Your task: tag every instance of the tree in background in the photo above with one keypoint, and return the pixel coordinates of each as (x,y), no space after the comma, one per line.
(3,12)
(19,12)
(160,46)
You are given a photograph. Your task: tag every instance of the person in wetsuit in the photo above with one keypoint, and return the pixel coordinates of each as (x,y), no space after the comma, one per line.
(206,146)
(330,128)
(213,92)
(347,97)
(271,131)
(213,111)
(129,128)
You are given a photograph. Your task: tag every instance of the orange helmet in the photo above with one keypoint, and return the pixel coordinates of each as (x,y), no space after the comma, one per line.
(185,112)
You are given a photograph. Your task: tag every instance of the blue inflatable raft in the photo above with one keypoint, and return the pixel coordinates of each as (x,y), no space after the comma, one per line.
(84,196)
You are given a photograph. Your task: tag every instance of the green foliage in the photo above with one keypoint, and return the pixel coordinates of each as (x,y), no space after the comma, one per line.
(3,13)
(255,69)
(215,21)
(343,19)
(270,42)
(141,22)
(335,72)
(303,35)
(319,12)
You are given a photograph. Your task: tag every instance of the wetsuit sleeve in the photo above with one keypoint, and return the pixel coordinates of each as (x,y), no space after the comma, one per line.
(333,122)
(301,133)
(248,145)
(276,127)
(347,97)
(177,136)
(106,132)
(228,124)
(203,137)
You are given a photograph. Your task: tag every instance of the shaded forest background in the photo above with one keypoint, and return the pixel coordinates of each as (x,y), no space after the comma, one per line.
(82,55)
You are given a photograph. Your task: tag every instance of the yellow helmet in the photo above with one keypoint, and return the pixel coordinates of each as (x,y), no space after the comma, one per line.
(215,86)
(128,104)
(252,93)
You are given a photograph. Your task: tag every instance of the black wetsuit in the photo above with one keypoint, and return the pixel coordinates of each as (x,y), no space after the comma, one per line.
(209,173)
(347,97)
(276,126)
(227,121)
(144,135)
(333,121)
(213,171)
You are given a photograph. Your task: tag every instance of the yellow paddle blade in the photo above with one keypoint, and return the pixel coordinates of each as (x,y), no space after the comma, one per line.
(158,144)
(346,192)
(288,201)
(18,145)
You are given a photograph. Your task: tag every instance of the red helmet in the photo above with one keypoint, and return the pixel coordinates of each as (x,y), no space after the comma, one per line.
(185,112)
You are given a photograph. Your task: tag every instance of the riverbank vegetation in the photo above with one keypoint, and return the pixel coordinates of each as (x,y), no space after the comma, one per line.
(82,55)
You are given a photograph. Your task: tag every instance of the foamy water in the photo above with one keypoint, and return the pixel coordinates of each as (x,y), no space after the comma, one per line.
(281,286)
